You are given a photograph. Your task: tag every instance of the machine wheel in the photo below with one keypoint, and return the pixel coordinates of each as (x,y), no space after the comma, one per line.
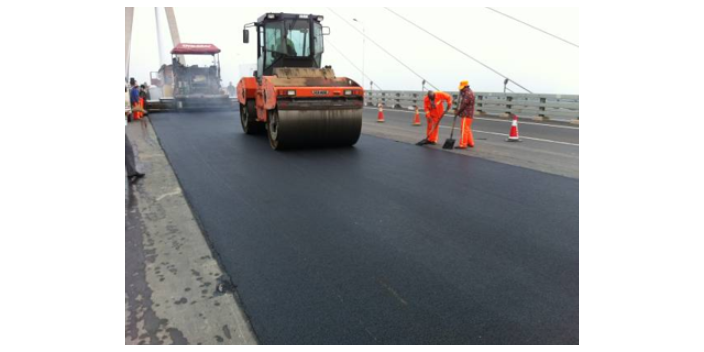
(248,118)
(272,129)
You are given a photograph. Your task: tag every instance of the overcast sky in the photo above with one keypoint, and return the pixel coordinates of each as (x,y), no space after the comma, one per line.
(538,62)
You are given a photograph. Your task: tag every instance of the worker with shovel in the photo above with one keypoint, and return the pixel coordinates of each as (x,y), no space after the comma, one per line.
(434,112)
(466,112)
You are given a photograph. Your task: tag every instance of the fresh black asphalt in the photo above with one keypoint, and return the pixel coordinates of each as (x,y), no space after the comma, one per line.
(384,242)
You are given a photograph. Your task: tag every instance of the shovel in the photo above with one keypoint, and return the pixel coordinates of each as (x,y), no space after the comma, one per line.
(450,143)
(437,125)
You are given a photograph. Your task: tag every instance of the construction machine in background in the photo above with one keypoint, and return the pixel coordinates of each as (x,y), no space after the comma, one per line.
(182,87)
(292,97)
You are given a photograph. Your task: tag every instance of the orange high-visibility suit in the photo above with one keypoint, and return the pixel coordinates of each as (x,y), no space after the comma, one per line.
(434,114)
(136,114)
(466,113)
(134,99)
(141,105)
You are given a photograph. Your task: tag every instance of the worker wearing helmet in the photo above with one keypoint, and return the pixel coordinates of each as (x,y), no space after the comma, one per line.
(466,113)
(434,112)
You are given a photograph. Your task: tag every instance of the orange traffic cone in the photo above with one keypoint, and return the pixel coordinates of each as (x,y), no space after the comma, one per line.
(380,119)
(513,136)
(416,121)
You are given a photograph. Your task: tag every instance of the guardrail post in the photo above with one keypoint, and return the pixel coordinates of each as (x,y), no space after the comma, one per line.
(541,109)
(480,105)
(509,107)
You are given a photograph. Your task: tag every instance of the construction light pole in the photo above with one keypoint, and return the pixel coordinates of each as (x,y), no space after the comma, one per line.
(364,47)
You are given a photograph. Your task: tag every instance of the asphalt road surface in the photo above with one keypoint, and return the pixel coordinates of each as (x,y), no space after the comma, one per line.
(382,243)
(547,147)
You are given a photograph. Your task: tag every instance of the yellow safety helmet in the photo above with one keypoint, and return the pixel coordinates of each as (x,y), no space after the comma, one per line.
(464,84)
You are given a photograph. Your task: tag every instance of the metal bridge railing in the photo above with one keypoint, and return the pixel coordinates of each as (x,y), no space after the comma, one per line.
(542,106)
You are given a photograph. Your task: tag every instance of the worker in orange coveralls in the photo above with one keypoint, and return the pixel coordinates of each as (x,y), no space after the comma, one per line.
(466,113)
(434,112)
(134,99)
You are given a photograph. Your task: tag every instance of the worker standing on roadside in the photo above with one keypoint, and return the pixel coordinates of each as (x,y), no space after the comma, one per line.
(466,112)
(143,99)
(134,99)
(147,94)
(143,96)
(130,161)
(434,112)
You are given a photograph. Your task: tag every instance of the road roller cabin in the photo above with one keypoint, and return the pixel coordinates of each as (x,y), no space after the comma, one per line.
(291,97)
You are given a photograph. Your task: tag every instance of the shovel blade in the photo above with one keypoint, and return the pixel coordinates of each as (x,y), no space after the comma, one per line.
(449,144)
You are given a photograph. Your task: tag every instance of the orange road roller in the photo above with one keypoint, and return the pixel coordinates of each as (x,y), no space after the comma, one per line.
(296,101)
